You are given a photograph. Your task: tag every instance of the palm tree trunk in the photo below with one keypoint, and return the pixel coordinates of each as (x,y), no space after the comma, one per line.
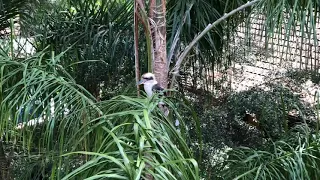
(136,44)
(158,24)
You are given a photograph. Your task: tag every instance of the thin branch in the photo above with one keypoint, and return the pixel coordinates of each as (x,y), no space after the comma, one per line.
(136,46)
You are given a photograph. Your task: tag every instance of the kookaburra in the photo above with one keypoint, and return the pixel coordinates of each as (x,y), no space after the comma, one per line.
(150,84)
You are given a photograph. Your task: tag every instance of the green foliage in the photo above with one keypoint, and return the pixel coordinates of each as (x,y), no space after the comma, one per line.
(142,139)
(200,15)
(97,44)
(10,9)
(119,138)
(89,43)
(186,20)
(223,126)
(296,157)
(301,76)
(270,108)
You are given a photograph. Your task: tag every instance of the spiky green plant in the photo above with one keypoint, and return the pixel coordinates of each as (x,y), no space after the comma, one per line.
(97,35)
(81,138)
(295,157)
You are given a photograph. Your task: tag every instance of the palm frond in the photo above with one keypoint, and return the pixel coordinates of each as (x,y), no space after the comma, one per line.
(296,157)
(114,138)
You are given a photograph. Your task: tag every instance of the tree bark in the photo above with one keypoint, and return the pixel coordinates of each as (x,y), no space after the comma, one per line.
(158,25)
(136,46)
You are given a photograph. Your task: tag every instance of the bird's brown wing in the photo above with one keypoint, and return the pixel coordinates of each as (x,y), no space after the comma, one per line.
(158,89)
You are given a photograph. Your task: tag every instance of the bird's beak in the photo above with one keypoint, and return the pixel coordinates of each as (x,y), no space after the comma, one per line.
(140,82)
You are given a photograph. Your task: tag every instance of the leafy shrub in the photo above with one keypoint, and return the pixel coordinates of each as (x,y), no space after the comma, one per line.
(270,108)
(294,157)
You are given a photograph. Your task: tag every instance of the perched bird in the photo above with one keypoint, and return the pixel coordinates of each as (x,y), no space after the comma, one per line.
(150,84)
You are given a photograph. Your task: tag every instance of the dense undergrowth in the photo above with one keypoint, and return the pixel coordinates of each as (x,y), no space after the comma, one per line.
(279,145)
(123,137)
(80,83)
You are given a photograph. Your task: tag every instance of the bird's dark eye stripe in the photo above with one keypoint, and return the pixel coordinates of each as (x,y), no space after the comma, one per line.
(150,78)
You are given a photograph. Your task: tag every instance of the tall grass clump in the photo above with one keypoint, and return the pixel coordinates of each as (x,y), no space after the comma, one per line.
(73,136)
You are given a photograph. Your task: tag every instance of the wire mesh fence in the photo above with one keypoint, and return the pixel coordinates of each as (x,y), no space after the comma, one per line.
(291,47)
(11,37)
(263,56)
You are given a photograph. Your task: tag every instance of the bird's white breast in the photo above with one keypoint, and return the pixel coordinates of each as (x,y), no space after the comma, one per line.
(148,89)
